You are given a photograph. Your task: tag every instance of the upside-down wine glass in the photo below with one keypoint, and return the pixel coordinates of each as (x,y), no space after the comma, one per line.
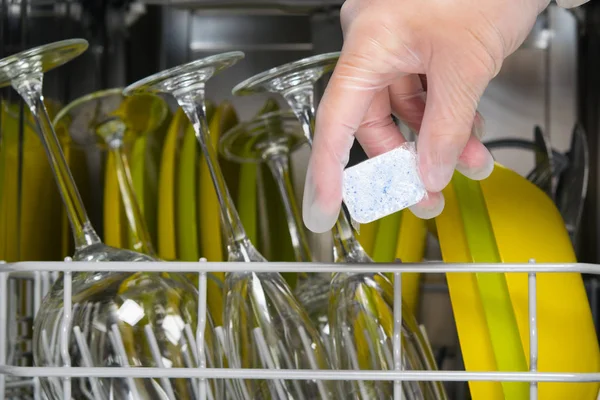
(360,305)
(265,327)
(116,319)
(111,121)
(272,138)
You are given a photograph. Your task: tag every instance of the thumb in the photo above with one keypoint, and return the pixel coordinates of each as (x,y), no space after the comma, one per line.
(452,97)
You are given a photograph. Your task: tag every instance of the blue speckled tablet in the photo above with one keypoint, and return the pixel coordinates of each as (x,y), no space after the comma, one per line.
(383,185)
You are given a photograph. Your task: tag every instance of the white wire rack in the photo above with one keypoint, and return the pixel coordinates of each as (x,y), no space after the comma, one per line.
(13,377)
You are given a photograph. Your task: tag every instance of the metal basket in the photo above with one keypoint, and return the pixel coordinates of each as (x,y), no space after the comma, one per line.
(16,378)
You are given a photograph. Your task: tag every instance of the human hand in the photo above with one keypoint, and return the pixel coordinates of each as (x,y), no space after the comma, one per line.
(428,63)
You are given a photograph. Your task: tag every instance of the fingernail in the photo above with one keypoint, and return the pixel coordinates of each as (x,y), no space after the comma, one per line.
(480,171)
(478,129)
(437,176)
(430,207)
(315,217)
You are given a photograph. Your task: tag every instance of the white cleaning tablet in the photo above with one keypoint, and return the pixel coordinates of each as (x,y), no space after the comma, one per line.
(383,185)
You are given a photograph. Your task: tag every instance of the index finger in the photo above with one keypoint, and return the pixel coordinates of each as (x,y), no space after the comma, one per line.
(343,107)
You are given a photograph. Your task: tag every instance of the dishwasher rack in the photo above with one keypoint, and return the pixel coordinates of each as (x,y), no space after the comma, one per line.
(38,273)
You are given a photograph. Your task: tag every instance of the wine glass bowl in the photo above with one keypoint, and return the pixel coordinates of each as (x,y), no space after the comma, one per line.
(185,77)
(361,306)
(262,138)
(40,59)
(288,76)
(120,319)
(82,119)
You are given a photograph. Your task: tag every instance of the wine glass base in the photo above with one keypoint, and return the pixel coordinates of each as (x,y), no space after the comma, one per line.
(40,59)
(81,118)
(288,76)
(264,137)
(183,76)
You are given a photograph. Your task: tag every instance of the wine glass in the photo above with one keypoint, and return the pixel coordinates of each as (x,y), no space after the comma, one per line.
(348,304)
(116,318)
(271,138)
(265,327)
(111,121)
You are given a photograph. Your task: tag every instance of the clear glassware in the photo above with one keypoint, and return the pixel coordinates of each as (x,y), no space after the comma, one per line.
(348,305)
(271,138)
(264,325)
(111,121)
(117,319)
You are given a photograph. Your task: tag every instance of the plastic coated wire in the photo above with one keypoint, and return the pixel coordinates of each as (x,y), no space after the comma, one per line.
(32,271)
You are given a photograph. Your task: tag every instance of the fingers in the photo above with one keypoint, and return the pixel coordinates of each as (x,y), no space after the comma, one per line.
(378,133)
(407,99)
(475,162)
(452,99)
(430,207)
(349,94)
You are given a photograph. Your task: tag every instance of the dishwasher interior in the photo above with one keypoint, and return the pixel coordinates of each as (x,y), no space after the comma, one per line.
(541,121)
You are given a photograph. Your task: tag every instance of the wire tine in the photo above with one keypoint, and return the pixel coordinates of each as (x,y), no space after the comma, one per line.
(387,353)
(228,384)
(290,365)
(263,350)
(114,335)
(374,356)
(188,362)
(312,360)
(86,358)
(46,348)
(12,313)
(187,329)
(533,333)
(3,326)
(37,292)
(65,330)
(397,341)
(353,358)
(200,342)
(157,356)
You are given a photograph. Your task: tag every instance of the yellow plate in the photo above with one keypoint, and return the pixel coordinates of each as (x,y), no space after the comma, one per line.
(10,158)
(115,220)
(209,210)
(167,233)
(28,226)
(186,212)
(38,220)
(390,236)
(153,117)
(367,235)
(410,248)
(526,225)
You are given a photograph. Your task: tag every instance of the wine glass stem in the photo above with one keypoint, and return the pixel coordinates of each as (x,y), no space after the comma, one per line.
(301,100)
(279,166)
(344,241)
(30,89)
(137,224)
(192,103)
